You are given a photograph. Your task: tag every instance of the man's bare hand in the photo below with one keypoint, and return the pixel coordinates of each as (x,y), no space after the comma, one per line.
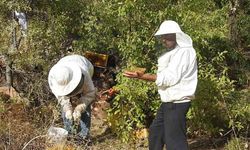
(131,74)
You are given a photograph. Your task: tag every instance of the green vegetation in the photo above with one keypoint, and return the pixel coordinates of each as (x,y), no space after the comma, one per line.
(125,29)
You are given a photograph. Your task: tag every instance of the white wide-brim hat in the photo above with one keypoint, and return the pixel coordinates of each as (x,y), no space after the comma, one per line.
(64,78)
(168,27)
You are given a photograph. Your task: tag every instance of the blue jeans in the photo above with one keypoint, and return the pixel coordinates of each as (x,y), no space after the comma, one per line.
(83,129)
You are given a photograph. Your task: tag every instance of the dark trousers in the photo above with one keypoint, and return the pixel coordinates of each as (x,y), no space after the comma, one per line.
(169,127)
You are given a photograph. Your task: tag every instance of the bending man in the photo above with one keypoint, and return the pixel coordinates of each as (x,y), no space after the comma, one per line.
(71,83)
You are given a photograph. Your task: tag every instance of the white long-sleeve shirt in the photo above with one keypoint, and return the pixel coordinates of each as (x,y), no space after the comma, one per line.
(88,92)
(177,75)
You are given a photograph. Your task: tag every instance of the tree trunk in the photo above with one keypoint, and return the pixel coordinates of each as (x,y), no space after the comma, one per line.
(14,41)
(8,74)
(233,31)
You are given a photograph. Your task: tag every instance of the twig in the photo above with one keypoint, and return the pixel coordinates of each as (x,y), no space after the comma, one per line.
(233,126)
(151,37)
(228,132)
(153,34)
(32,140)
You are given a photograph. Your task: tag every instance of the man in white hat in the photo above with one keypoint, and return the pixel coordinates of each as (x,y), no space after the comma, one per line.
(176,80)
(71,83)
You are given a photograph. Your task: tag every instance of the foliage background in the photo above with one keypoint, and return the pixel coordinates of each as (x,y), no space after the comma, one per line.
(125,29)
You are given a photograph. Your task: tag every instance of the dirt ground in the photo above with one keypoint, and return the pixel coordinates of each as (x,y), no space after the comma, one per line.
(22,127)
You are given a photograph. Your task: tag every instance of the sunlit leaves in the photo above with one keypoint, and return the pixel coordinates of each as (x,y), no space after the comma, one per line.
(126,28)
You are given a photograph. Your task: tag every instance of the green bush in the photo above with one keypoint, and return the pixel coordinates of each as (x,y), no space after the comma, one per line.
(126,29)
(236,144)
(133,108)
(208,114)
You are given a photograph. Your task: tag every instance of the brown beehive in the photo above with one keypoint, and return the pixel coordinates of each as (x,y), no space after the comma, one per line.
(98,60)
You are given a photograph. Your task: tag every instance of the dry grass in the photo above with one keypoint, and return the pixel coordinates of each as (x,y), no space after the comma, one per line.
(25,128)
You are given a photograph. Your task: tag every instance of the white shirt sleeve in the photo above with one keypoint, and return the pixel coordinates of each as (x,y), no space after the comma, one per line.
(175,69)
(65,103)
(89,91)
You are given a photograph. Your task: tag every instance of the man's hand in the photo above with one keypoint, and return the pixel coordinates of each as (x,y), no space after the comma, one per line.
(140,75)
(78,111)
(77,116)
(66,106)
(131,74)
(68,114)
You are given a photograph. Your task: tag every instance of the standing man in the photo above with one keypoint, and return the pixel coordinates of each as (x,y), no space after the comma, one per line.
(176,80)
(71,83)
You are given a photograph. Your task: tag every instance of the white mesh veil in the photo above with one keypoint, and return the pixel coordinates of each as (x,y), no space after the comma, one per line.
(168,27)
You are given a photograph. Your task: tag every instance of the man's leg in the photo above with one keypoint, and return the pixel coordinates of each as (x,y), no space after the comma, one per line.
(156,131)
(175,125)
(85,123)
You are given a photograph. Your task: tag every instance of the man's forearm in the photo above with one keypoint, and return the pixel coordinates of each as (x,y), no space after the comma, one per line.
(148,77)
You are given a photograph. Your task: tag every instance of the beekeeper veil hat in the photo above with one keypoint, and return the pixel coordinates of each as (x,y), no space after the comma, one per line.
(64,78)
(168,27)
